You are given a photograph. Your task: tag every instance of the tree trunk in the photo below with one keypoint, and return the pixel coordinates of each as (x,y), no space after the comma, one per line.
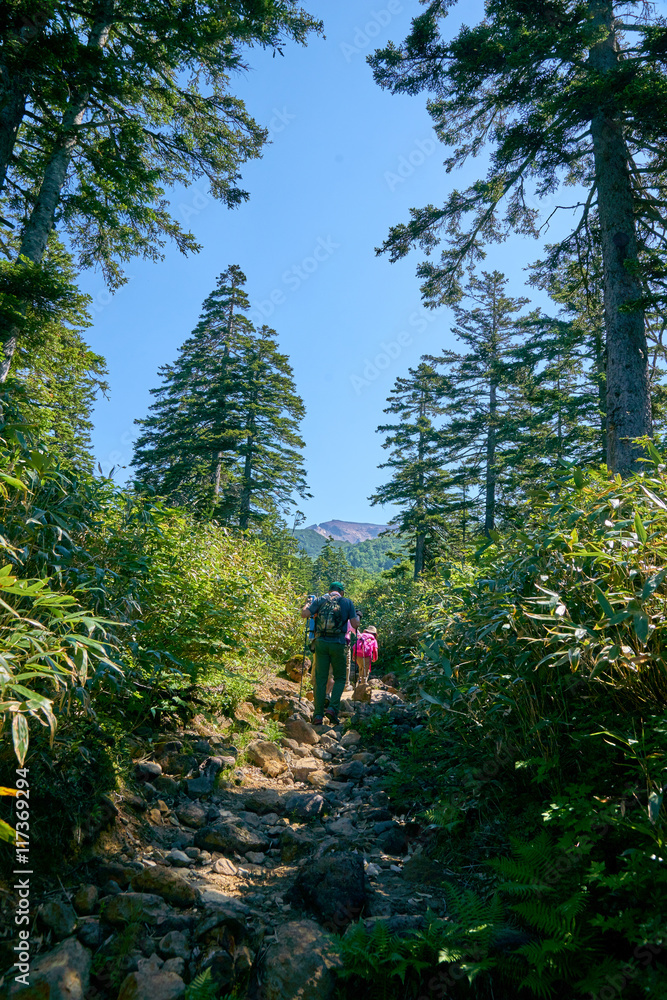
(490,499)
(628,390)
(420,553)
(601,383)
(491,472)
(40,222)
(244,516)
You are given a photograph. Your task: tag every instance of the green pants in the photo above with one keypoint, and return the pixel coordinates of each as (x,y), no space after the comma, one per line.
(328,654)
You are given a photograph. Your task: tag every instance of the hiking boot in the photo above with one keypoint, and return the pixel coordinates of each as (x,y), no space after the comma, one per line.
(332,715)
(316,720)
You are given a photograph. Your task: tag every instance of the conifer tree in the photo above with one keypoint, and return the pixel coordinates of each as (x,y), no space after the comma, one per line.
(105,104)
(223,432)
(562,91)
(419,481)
(271,446)
(482,397)
(331,564)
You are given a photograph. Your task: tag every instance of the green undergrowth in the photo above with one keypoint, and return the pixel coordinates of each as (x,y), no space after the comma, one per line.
(118,614)
(538,780)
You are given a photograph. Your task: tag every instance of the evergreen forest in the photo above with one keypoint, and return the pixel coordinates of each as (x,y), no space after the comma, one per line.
(482,816)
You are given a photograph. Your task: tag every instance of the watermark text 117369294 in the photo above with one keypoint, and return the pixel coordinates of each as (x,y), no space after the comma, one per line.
(22,871)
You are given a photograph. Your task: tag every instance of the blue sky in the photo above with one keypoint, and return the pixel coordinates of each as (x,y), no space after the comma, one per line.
(346,162)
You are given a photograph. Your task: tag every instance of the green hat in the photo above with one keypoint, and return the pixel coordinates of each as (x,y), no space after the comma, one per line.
(337,585)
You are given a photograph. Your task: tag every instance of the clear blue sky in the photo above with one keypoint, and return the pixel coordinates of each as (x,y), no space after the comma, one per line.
(347,161)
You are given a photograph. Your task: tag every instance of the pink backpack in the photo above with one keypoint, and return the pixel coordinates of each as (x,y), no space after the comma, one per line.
(366,646)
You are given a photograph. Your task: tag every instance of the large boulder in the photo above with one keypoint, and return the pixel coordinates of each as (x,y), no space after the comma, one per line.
(333,889)
(167,884)
(301,731)
(303,805)
(152,984)
(263,800)
(299,965)
(268,756)
(296,666)
(61,974)
(227,836)
(132,907)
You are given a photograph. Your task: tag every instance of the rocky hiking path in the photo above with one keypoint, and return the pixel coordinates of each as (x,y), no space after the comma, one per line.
(248,876)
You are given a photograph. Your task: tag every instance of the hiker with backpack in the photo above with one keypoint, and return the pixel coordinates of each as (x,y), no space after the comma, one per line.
(365,652)
(331,614)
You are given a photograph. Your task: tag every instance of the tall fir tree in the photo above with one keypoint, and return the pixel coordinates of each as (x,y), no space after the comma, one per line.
(419,483)
(483,397)
(224,430)
(562,91)
(271,445)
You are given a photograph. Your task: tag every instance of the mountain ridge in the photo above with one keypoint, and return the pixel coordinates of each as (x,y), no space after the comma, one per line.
(352,532)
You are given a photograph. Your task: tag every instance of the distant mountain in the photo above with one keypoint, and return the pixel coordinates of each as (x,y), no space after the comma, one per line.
(347,531)
(360,542)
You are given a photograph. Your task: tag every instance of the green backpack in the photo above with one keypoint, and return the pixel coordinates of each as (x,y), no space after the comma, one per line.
(329,620)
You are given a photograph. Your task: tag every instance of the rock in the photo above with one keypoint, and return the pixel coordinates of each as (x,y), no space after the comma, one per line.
(295,667)
(110,888)
(304,767)
(289,744)
(227,836)
(263,800)
(260,752)
(134,801)
(342,828)
(85,900)
(167,785)
(90,934)
(386,698)
(390,680)
(176,965)
(152,984)
(244,713)
(167,884)
(295,845)
(364,757)
(351,770)
(299,965)
(362,692)
(223,866)
(228,904)
(273,768)
(205,783)
(191,814)
(202,747)
(155,817)
(319,779)
(301,731)
(255,857)
(334,889)
(393,841)
(174,945)
(147,770)
(130,907)
(115,871)
(320,754)
(303,805)
(59,917)
(61,974)
(179,858)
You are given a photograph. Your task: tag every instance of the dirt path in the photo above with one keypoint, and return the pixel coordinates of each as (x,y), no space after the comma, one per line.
(243,870)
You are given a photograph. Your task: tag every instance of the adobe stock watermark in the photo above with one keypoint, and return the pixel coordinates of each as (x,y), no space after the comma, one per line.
(364,35)
(293,278)
(390,350)
(408,165)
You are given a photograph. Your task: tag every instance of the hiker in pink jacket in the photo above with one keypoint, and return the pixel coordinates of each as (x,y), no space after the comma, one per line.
(365,652)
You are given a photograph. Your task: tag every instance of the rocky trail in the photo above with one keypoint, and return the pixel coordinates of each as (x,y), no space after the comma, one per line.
(246,870)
